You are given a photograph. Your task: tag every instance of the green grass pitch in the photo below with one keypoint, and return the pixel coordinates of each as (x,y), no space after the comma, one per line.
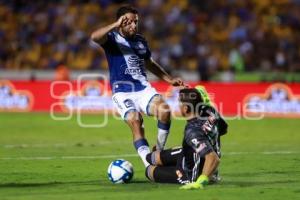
(44,159)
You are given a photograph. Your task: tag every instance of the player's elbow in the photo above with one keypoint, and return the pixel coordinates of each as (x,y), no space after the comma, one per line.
(98,37)
(94,37)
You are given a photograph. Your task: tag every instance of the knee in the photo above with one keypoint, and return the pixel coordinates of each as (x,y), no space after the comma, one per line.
(154,158)
(164,112)
(134,119)
(149,172)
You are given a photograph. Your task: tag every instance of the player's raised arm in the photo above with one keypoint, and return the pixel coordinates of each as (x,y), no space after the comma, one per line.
(157,70)
(100,35)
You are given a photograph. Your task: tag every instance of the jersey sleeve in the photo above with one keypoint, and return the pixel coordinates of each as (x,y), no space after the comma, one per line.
(198,141)
(147,54)
(148,51)
(108,43)
(214,118)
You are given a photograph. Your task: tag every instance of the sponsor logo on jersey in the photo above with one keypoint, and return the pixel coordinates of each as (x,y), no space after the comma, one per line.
(135,61)
(135,65)
(140,47)
(128,103)
(14,100)
(133,71)
(278,100)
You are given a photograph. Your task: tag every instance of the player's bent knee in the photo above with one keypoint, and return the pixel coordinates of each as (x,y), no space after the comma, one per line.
(164,114)
(154,158)
(132,116)
(149,173)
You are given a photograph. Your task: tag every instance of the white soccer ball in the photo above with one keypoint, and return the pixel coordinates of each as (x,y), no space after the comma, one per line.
(120,171)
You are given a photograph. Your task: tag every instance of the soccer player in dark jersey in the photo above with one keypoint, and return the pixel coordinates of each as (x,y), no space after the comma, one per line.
(197,160)
(128,55)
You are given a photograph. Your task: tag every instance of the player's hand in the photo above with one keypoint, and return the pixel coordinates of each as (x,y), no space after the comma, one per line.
(177,82)
(122,21)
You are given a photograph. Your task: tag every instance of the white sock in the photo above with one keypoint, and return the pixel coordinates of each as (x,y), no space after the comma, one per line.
(162,136)
(142,147)
(143,151)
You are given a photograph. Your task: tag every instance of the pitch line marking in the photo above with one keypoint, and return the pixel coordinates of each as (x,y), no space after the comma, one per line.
(133,155)
(60,145)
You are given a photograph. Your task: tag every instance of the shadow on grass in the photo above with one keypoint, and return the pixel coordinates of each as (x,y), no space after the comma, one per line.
(46,184)
(58,183)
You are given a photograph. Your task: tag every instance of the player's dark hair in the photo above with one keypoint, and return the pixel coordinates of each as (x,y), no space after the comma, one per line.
(125,9)
(192,98)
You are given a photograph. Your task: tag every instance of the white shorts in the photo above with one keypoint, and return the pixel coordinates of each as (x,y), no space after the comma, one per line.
(134,101)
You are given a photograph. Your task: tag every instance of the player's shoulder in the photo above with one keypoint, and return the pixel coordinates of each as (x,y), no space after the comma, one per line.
(140,37)
(194,127)
(195,122)
(206,109)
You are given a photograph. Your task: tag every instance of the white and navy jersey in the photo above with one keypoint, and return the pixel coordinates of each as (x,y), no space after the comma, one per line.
(126,59)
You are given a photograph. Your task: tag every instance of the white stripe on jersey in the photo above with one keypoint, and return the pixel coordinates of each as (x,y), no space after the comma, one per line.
(197,160)
(133,62)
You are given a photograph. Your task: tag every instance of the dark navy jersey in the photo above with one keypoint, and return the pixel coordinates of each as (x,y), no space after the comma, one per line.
(209,113)
(126,59)
(196,144)
(201,136)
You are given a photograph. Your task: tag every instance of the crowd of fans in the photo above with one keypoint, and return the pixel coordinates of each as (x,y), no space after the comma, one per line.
(204,36)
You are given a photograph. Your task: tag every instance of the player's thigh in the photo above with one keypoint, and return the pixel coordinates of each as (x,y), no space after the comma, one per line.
(152,102)
(167,157)
(124,103)
(146,99)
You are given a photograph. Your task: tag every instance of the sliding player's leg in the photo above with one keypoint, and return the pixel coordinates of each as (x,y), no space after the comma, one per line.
(162,174)
(166,157)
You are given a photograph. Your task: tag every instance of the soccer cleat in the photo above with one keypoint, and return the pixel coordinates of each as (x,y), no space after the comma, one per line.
(215,178)
(206,99)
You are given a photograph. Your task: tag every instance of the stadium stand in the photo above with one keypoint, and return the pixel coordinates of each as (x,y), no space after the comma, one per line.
(206,37)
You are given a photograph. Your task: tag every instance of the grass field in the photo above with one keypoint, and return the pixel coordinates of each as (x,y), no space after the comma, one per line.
(44,159)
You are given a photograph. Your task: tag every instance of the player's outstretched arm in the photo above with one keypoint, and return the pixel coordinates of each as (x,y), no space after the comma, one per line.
(100,35)
(211,163)
(157,70)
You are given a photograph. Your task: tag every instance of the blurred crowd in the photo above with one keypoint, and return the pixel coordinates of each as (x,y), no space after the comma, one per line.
(204,36)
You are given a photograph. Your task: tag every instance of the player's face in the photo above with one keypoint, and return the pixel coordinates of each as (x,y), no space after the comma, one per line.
(131,27)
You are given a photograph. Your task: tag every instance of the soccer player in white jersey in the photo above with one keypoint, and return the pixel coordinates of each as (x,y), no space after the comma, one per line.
(128,55)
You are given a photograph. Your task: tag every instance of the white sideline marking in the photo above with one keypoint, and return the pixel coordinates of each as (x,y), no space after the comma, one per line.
(60,145)
(134,155)
(69,157)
